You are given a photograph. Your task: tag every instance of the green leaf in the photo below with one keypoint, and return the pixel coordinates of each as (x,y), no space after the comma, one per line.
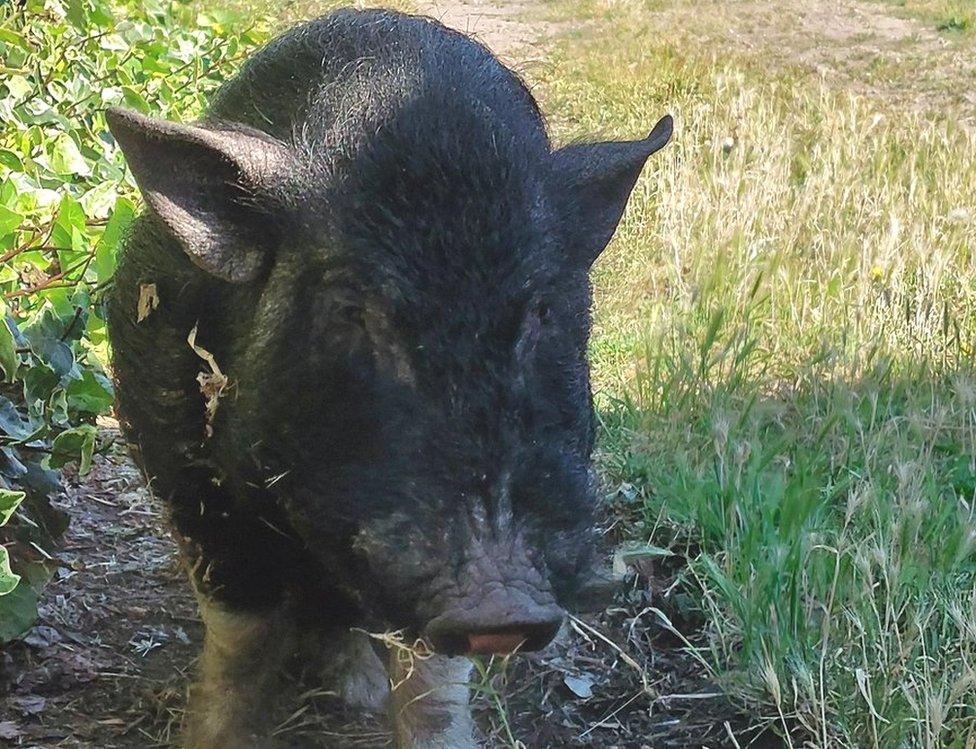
(47,335)
(18,86)
(9,220)
(18,612)
(101,15)
(71,219)
(60,301)
(39,383)
(8,580)
(77,15)
(135,100)
(9,502)
(92,394)
(105,250)
(633,553)
(11,160)
(98,201)
(9,358)
(12,37)
(13,427)
(42,483)
(78,444)
(66,159)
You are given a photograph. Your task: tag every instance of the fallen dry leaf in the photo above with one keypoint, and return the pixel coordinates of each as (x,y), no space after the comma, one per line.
(28,704)
(9,730)
(148,301)
(212,383)
(43,636)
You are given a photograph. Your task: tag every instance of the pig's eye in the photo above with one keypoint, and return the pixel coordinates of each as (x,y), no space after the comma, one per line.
(350,314)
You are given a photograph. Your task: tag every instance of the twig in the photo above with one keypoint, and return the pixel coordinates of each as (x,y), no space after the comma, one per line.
(607,717)
(50,282)
(625,657)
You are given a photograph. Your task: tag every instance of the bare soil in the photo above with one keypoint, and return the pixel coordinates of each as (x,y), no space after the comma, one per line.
(859,46)
(500,26)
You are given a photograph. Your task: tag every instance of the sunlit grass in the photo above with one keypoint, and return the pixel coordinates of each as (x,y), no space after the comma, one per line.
(784,357)
(949,16)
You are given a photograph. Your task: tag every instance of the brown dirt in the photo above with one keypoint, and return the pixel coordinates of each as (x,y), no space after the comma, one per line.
(118,628)
(498,25)
(860,46)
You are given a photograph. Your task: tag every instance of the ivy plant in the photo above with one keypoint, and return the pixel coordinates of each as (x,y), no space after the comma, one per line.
(65,202)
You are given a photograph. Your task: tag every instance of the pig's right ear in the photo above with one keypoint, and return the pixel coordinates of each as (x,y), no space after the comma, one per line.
(209,186)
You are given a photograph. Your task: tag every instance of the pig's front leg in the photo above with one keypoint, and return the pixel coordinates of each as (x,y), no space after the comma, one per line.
(429,703)
(233,697)
(354,670)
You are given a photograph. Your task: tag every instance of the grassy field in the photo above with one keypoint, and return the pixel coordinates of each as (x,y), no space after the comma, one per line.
(784,352)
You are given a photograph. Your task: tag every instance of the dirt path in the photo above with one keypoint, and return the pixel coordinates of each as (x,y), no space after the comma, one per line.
(498,25)
(861,46)
(108,663)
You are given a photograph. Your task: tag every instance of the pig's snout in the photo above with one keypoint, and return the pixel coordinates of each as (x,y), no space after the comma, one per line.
(501,622)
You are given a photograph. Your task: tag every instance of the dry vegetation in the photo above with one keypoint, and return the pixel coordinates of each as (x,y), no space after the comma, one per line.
(785,333)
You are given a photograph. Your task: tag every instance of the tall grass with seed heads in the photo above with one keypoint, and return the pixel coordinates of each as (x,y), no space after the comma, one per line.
(783,349)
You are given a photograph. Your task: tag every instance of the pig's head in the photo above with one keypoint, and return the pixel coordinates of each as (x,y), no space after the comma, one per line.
(411,380)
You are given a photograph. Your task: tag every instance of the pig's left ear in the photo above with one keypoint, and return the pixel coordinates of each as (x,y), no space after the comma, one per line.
(591,183)
(211,187)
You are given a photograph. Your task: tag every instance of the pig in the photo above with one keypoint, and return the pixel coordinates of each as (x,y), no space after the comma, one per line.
(350,349)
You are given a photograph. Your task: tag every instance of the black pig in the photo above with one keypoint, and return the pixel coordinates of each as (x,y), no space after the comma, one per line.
(364,392)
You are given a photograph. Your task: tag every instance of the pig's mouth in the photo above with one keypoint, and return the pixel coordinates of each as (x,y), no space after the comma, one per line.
(502,620)
(496,641)
(488,593)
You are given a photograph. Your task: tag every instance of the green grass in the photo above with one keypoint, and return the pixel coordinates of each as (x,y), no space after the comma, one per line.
(949,16)
(784,343)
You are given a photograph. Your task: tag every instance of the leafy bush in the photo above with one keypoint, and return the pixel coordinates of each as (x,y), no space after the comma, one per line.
(65,203)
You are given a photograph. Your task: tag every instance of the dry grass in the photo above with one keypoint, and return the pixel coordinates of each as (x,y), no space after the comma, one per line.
(784,351)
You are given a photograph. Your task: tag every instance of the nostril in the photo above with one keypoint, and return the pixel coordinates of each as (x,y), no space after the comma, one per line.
(494,643)
(489,640)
